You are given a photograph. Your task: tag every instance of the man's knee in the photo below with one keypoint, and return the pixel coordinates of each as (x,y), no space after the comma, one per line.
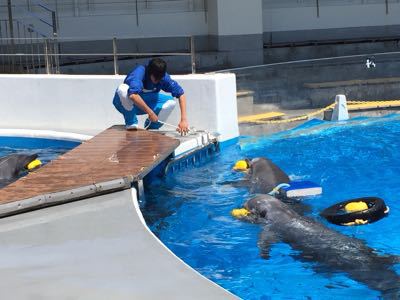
(122,92)
(169,105)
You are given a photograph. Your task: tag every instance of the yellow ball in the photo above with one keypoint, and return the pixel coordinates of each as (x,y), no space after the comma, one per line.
(356,206)
(241,165)
(33,164)
(240,212)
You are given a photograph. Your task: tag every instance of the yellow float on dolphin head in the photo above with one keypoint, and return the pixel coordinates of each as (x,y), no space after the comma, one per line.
(33,165)
(242,165)
(240,213)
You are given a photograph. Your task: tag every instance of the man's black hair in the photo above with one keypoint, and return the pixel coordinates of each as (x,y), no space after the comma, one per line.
(157,67)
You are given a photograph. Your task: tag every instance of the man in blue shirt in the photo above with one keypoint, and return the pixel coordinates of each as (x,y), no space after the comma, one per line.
(139,95)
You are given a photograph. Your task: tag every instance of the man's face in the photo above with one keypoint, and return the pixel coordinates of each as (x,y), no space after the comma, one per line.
(154,80)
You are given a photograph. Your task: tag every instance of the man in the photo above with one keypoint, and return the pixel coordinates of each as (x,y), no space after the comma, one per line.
(139,95)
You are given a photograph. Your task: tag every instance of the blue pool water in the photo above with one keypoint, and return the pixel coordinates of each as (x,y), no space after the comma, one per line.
(47,149)
(190,211)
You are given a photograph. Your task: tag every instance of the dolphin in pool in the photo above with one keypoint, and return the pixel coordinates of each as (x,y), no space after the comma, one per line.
(315,242)
(263,176)
(11,166)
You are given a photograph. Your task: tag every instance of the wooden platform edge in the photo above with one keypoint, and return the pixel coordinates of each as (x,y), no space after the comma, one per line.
(46,200)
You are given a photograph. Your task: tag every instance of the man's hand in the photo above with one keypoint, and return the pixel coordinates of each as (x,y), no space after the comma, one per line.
(183,127)
(153,117)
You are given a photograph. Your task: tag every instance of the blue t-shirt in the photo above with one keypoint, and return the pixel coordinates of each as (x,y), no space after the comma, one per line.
(139,82)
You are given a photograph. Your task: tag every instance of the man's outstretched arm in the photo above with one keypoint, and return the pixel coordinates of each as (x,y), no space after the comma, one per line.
(183,126)
(139,102)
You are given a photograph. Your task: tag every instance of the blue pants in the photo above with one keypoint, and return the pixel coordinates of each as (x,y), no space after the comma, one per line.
(154,100)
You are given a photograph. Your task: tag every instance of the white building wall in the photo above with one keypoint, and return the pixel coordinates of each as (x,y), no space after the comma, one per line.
(125,26)
(235,17)
(330,16)
(172,18)
(97,19)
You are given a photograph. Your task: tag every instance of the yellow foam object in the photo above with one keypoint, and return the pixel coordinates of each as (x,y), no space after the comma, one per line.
(356,206)
(241,165)
(265,116)
(356,222)
(240,212)
(34,164)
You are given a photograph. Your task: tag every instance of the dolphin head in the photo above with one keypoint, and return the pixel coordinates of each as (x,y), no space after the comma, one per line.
(260,205)
(13,165)
(30,162)
(250,165)
(258,164)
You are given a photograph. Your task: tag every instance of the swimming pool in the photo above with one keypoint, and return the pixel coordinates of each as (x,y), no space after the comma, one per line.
(47,149)
(190,211)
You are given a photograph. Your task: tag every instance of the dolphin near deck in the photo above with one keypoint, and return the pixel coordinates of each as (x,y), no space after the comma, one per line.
(315,242)
(262,175)
(11,166)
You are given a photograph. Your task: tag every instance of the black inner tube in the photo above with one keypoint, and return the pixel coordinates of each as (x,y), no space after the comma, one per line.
(337,214)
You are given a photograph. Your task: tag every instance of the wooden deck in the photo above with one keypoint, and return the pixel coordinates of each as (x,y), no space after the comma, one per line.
(113,154)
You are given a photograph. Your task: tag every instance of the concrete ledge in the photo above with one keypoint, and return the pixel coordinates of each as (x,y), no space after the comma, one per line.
(98,248)
(45,134)
(333,84)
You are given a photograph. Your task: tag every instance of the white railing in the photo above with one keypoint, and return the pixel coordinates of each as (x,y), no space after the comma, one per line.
(76,8)
(271,4)
(35,55)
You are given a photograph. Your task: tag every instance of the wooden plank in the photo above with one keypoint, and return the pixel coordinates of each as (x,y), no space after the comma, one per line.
(373,105)
(333,84)
(264,116)
(115,153)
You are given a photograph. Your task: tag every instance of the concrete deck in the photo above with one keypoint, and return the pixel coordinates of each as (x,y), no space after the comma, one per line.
(97,248)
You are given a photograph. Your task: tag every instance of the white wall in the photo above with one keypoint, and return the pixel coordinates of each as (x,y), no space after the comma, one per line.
(338,16)
(124,26)
(224,17)
(101,19)
(83,104)
(212,103)
(235,17)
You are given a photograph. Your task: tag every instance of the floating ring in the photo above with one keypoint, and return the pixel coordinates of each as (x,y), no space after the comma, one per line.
(337,214)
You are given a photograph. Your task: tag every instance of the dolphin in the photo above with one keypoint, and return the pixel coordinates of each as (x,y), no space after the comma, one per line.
(262,176)
(315,242)
(11,166)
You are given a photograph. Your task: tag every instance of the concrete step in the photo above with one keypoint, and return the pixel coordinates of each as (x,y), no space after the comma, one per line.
(245,99)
